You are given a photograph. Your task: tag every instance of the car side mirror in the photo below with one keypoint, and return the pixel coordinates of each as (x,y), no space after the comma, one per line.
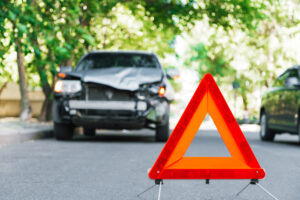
(173,73)
(65,69)
(291,81)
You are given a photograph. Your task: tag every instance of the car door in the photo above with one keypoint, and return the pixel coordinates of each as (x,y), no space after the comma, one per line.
(289,113)
(276,105)
(270,102)
(297,118)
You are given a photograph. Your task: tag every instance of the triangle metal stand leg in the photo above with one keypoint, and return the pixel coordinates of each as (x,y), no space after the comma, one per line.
(255,182)
(159,190)
(157,182)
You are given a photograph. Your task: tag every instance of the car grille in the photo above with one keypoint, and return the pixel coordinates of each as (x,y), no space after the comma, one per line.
(101,92)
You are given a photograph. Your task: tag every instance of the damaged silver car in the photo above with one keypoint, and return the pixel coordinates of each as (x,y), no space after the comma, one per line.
(113,90)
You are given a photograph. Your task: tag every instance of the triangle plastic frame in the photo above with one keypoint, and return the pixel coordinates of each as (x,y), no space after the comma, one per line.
(171,163)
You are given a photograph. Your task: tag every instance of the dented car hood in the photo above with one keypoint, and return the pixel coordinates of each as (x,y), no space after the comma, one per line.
(128,78)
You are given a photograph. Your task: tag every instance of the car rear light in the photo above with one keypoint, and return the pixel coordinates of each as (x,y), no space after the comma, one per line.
(58,86)
(161,91)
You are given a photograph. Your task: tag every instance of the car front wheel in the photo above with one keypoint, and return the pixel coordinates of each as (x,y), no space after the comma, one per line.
(265,133)
(162,131)
(299,129)
(63,131)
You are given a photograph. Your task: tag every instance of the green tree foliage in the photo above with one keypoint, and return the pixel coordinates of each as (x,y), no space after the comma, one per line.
(254,58)
(216,64)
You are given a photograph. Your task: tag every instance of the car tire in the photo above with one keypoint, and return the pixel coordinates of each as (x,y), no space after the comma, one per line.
(63,131)
(265,133)
(162,131)
(90,132)
(298,129)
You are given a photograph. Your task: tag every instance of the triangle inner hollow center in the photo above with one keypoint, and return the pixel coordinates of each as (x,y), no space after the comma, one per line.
(207,142)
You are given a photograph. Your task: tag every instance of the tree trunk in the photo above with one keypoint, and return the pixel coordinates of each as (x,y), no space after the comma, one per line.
(46,112)
(26,111)
(245,105)
(2,87)
(70,61)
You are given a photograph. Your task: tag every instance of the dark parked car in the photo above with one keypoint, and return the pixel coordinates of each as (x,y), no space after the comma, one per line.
(113,90)
(280,108)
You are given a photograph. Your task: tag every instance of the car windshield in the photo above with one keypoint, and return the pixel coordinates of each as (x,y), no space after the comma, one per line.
(108,60)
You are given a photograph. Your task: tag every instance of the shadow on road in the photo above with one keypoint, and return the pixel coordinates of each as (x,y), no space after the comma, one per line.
(292,143)
(114,138)
(287,139)
(143,136)
(280,140)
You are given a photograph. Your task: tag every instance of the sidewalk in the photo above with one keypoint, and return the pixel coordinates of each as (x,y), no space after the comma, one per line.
(12,131)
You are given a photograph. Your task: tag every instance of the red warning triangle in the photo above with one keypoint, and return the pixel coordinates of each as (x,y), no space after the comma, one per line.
(171,163)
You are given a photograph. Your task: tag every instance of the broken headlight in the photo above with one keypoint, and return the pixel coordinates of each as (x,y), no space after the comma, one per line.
(150,90)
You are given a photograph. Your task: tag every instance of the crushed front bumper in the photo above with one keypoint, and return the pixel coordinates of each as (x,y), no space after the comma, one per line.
(107,105)
(114,114)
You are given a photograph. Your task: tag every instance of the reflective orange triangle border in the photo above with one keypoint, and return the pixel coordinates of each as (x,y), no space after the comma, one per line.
(171,163)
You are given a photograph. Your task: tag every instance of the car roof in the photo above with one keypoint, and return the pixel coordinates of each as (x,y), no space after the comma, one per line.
(122,51)
(119,51)
(293,67)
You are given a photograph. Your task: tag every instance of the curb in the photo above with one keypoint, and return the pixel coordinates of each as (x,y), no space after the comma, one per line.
(21,136)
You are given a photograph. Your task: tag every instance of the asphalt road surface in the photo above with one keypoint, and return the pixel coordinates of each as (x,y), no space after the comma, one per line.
(114,166)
